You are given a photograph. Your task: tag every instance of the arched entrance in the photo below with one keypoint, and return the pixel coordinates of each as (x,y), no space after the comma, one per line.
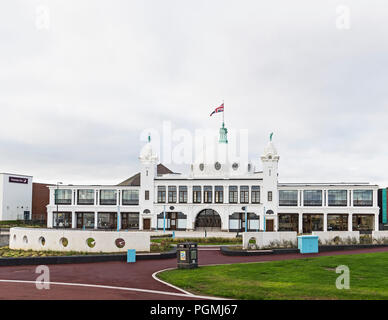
(208,219)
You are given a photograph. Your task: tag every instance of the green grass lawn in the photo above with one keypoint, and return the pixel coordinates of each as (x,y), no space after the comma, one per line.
(312,278)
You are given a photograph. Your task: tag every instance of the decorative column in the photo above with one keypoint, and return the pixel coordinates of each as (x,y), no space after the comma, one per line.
(49,218)
(350,222)
(325,222)
(300,222)
(95,220)
(73,220)
(376,222)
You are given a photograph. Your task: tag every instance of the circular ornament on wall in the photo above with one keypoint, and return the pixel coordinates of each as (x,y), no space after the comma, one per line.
(217,166)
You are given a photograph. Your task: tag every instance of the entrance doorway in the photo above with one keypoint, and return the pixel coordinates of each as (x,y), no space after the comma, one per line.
(268,225)
(208,219)
(146,224)
(173,220)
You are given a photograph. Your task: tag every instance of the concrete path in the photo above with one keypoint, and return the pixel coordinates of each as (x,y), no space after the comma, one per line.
(119,280)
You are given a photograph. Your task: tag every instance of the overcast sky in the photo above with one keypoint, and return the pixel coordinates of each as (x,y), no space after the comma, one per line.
(80,81)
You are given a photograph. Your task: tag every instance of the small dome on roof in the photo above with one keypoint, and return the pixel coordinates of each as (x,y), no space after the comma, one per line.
(270,150)
(147,152)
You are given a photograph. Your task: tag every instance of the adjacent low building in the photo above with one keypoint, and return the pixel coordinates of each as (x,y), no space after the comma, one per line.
(15,197)
(222,195)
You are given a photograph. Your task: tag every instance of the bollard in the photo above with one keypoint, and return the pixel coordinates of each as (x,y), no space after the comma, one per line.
(131,256)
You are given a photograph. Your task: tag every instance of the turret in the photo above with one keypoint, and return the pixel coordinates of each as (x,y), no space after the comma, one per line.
(148,171)
(270,160)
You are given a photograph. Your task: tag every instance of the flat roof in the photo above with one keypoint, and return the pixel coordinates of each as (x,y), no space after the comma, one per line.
(16,174)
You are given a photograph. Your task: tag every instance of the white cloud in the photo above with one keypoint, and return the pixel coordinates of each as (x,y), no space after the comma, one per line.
(75,98)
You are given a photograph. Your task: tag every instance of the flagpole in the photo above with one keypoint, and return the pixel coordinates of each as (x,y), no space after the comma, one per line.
(223,112)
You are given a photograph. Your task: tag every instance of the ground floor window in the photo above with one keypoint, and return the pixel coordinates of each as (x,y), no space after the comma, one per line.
(337,222)
(363,222)
(62,220)
(107,220)
(130,220)
(237,222)
(312,222)
(173,221)
(85,219)
(288,222)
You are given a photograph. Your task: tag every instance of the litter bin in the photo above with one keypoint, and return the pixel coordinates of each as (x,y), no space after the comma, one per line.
(187,255)
(308,244)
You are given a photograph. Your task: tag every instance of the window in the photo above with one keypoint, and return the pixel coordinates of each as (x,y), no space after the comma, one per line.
(85,220)
(147,195)
(312,222)
(172,194)
(182,194)
(107,220)
(130,220)
(207,194)
(269,195)
(338,198)
(288,198)
(337,222)
(108,197)
(161,194)
(233,194)
(363,222)
(62,196)
(219,194)
(363,198)
(197,194)
(85,197)
(62,220)
(244,194)
(130,197)
(312,198)
(288,222)
(255,194)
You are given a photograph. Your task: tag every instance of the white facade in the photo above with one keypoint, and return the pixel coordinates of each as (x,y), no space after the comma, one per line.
(217,196)
(15,196)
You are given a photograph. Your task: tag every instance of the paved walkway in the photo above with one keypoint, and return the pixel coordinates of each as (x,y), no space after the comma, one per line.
(121,280)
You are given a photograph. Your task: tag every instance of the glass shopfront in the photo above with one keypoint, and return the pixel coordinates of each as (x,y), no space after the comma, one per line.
(62,220)
(337,222)
(288,222)
(85,219)
(130,220)
(363,222)
(312,222)
(107,221)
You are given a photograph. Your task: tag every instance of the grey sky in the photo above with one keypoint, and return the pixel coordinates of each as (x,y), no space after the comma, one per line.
(74,98)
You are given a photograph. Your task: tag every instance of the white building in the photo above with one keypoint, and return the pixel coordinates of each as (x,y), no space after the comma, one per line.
(15,197)
(215,196)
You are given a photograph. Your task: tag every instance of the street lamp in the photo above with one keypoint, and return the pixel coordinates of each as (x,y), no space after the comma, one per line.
(56,196)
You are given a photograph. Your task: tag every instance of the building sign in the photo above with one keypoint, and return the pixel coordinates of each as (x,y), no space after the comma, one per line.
(18,180)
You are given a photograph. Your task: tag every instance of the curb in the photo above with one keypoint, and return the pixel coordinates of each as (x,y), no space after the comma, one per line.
(228,252)
(23,261)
